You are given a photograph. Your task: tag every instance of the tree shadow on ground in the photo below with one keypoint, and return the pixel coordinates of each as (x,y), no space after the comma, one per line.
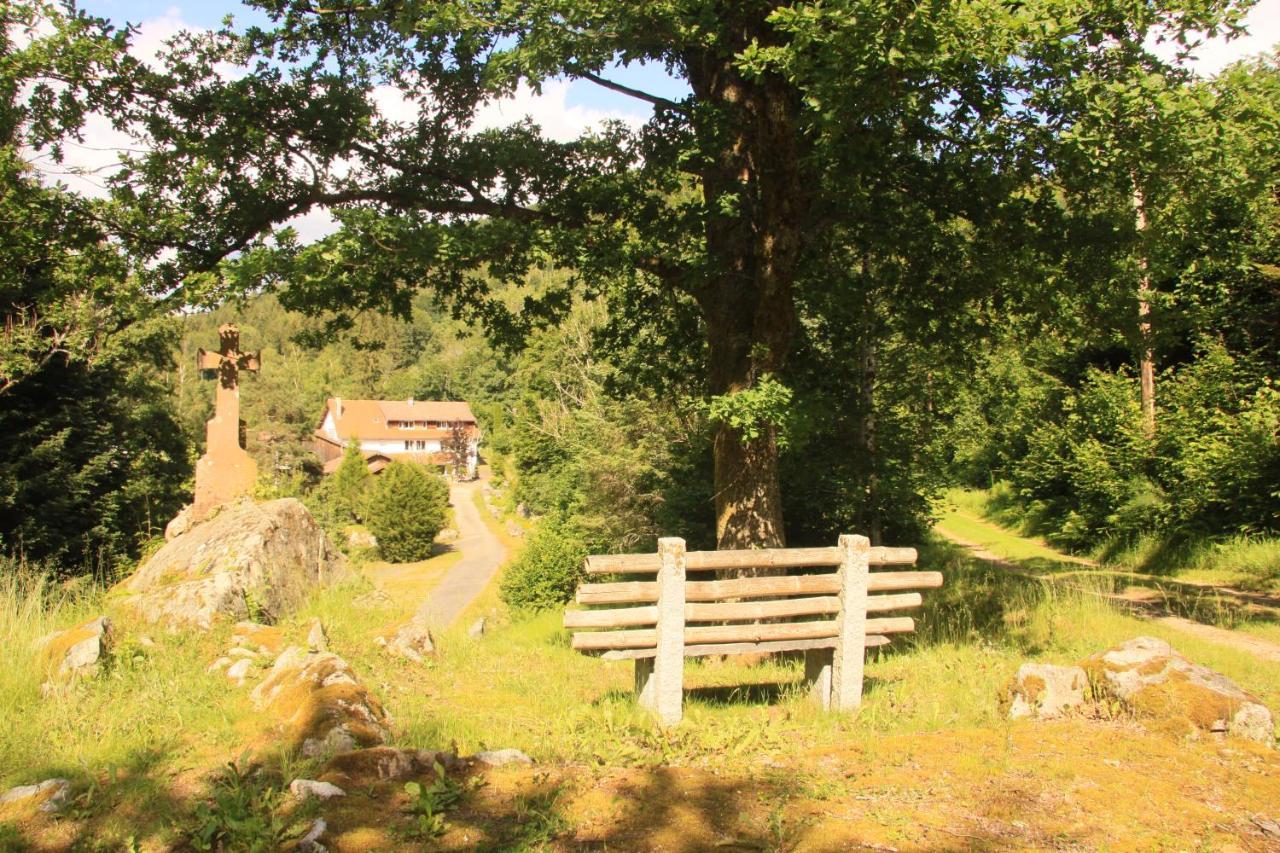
(635,809)
(138,797)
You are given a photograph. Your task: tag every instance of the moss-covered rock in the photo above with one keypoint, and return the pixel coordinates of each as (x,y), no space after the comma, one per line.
(321,706)
(76,652)
(1046,691)
(1156,682)
(250,560)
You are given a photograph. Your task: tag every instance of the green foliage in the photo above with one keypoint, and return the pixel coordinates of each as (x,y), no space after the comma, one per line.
(349,485)
(1085,470)
(767,403)
(241,814)
(545,573)
(405,509)
(428,806)
(92,463)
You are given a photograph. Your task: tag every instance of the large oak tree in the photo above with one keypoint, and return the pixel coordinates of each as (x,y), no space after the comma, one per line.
(800,119)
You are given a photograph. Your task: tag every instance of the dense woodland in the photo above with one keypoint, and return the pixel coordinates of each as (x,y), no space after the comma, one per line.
(873,254)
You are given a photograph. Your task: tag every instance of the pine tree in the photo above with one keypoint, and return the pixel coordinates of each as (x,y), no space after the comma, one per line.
(405,510)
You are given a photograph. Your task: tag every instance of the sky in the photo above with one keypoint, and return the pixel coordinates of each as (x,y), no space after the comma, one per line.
(564,109)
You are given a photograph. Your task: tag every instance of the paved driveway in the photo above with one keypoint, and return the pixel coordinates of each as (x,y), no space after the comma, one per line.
(482,554)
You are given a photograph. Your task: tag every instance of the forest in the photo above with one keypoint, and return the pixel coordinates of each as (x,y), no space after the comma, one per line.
(972,304)
(793,303)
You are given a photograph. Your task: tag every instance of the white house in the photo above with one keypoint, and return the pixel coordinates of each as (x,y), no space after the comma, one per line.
(431,432)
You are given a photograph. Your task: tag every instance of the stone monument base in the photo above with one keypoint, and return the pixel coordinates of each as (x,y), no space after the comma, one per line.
(230,476)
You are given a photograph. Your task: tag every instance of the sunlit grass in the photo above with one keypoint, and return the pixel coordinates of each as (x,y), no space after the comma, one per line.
(147,734)
(984,518)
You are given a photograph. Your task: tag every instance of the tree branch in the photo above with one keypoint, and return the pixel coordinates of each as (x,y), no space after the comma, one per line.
(661,103)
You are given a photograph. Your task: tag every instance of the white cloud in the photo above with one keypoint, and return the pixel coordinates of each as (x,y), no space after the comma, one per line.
(87,164)
(551,111)
(1213,55)
(150,42)
(313,225)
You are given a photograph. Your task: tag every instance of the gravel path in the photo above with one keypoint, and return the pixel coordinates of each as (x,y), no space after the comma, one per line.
(482,554)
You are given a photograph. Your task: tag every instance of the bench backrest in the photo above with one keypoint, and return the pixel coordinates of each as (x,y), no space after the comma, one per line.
(669,617)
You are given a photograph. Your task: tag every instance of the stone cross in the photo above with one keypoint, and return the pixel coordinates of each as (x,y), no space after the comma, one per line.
(226,471)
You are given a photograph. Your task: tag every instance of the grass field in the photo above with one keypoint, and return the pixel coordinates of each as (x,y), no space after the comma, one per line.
(929,761)
(1182,588)
(991,519)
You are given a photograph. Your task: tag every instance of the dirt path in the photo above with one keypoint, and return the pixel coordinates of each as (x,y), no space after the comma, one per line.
(482,554)
(1144,602)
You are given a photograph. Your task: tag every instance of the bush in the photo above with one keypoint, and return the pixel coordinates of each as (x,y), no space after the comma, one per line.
(350,483)
(405,510)
(545,574)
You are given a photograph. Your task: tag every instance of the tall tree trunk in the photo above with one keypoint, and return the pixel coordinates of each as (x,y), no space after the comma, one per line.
(1146,345)
(756,203)
(868,358)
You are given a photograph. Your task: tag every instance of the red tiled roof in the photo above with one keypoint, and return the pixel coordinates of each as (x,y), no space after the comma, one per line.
(370,419)
(378,461)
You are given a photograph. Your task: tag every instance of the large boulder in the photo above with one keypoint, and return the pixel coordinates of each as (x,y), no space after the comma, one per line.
(321,706)
(1156,682)
(256,560)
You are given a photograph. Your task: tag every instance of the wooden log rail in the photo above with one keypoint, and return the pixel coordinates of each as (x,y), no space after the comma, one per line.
(824,614)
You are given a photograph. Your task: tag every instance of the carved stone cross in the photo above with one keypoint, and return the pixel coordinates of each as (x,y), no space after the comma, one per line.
(226,471)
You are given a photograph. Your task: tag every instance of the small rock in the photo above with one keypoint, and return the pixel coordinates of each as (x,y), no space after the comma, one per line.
(1268,826)
(361,539)
(337,739)
(1046,691)
(239,652)
(219,665)
(78,651)
(317,638)
(502,757)
(378,763)
(371,600)
(146,642)
(181,523)
(51,794)
(477,628)
(428,758)
(239,671)
(515,530)
(320,704)
(310,843)
(412,640)
(306,788)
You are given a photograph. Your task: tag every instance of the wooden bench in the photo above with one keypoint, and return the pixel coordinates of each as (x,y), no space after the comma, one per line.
(825,614)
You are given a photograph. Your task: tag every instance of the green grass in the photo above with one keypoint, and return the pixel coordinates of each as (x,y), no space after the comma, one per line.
(520,685)
(992,519)
(143,742)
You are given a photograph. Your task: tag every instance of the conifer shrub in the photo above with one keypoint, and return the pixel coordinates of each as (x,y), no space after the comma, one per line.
(350,484)
(405,509)
(545,574)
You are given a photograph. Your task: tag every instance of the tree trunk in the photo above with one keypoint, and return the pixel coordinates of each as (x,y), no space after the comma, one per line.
(756,206)
(1146,345)
(869,364)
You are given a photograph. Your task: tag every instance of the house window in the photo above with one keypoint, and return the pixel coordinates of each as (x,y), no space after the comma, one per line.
(415,444)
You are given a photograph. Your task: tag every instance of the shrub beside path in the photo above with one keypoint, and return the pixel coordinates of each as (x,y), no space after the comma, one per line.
(482,554)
